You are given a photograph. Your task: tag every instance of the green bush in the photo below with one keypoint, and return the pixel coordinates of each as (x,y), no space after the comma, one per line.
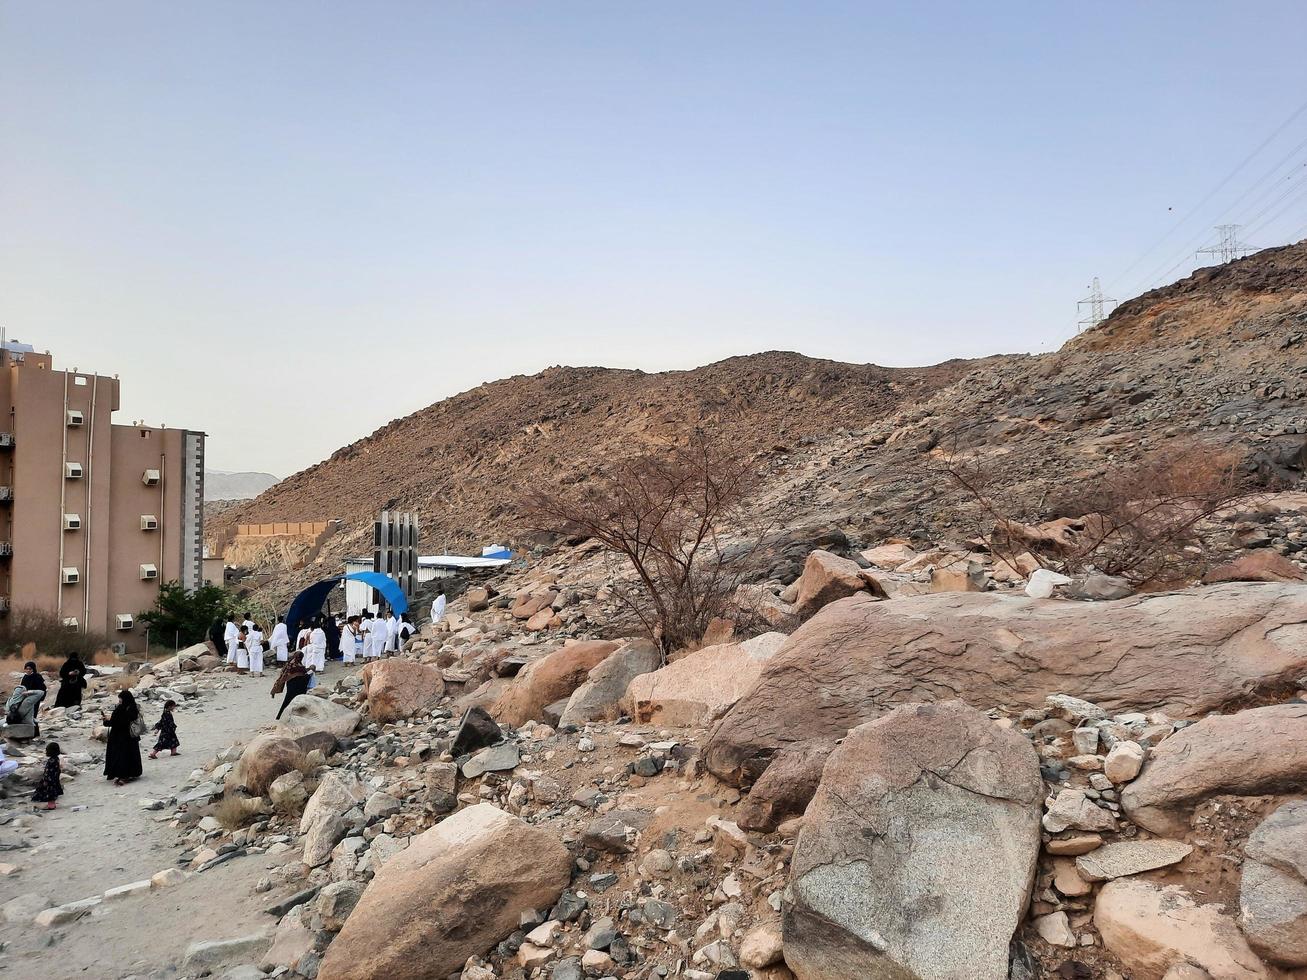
(183,615)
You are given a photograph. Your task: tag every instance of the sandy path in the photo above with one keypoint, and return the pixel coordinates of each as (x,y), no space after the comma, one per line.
(76,855)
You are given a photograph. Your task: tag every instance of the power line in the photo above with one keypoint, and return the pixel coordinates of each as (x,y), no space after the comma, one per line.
(1216,190)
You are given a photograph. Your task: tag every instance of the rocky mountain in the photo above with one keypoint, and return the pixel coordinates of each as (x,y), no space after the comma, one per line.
(1217,361)
(227,485)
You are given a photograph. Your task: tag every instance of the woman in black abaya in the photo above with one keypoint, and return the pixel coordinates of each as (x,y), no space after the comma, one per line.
(72,679)
(122,758)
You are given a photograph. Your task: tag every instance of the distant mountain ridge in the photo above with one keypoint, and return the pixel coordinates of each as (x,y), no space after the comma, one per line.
(228,485)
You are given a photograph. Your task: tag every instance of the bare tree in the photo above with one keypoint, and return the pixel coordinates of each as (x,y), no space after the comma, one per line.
(675,517)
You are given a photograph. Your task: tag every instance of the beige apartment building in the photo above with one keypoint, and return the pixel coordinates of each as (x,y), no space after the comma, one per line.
(93,515)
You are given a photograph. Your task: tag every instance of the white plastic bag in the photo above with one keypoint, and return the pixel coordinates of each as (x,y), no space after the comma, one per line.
(1043,582)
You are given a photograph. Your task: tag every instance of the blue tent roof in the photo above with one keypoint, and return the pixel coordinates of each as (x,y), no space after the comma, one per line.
(309,603)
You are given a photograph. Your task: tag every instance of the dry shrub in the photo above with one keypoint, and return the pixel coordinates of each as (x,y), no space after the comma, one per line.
(1139,520)
(667,516)
(233,812)
(25,632)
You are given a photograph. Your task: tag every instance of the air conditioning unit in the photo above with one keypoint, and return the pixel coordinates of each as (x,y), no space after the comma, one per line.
(69,576)
(150,478)
(6,549)
(149,572)
(6,440)
(4,605)
(125,621)
(73,471)
(75,418)
(6,493)
(119,649)
(70,622)
(72,522)
(149,522)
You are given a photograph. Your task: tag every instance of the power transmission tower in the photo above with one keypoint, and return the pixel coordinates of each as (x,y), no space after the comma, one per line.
(1096,302)
(1229,247)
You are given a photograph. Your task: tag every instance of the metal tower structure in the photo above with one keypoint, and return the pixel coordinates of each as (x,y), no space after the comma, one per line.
(1096,302)
(1229,247)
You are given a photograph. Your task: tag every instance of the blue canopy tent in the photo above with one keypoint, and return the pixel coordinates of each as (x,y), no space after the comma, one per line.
(309,603)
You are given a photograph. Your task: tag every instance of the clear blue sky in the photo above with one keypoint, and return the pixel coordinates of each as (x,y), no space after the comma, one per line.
(288,223)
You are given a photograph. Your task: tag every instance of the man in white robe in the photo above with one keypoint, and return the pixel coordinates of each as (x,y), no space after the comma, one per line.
(380,635)
(351,641)
(231,635)
(280,641)
(254,650)
(392,633)
(317,648)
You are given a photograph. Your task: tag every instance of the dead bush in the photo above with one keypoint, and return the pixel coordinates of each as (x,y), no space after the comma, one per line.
(233,812)
(1139,520)
(668,517)
(29,633)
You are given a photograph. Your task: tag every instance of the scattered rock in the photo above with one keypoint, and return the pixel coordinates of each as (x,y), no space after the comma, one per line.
(553,677)
(1130,857)
(598,696)
(396,688)
(1273,890)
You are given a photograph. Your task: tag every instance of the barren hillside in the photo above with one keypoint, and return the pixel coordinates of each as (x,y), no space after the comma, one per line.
(1216,360)
(1214,301)
(464,462)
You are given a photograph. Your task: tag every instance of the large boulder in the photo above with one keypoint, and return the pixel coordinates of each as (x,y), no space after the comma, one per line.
(597,698)
(326,817)
(1273,888)
(264,759)
(783,791)
(1181,652)
(396,689)
(551,678)
(825,578)
(699,687)
(455,891)
(1151,929)
(1261,750)
(308,714)
(918,853)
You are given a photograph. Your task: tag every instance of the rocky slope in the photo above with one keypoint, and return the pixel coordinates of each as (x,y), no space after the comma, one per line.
(1217,361)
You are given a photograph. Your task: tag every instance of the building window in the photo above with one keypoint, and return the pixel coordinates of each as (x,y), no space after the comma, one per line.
(145,433)
(79,380)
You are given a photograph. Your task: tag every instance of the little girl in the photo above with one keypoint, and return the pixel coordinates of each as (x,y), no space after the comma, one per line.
(49,788)
(167,729)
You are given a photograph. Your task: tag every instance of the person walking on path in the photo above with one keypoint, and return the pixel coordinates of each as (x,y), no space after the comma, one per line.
(50,787)
(166,726)
(72,680)
(293,679)
(122,756)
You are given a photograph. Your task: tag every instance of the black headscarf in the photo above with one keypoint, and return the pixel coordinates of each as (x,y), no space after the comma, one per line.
(127,705)
(33,681)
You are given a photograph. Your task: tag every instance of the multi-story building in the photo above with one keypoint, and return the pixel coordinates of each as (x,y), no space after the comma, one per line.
(93,515)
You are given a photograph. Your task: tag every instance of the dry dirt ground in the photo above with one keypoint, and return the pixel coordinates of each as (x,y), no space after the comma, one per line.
(76,854)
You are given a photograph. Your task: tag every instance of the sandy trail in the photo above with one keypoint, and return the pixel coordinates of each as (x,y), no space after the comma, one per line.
(79,854)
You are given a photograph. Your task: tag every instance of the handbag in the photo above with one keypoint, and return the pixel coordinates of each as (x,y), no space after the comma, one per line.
(138,728)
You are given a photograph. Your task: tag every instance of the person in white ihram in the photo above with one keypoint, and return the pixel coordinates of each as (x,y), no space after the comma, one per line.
(280,641)
(231,635)
(351,640)
(392,632)
(317,659)
(254,649)
(375,638)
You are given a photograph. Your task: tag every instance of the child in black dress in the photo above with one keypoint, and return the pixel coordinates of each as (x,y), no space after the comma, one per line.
(50,788)
(167,729)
